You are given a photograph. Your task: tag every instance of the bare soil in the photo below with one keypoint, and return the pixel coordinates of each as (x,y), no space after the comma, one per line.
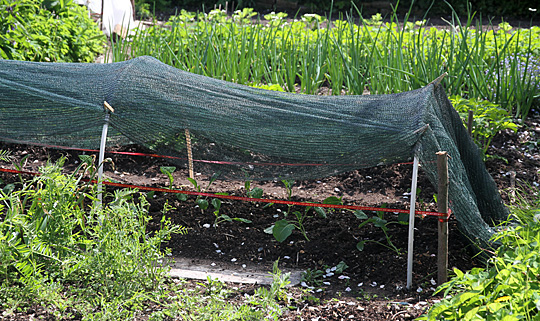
(372,287)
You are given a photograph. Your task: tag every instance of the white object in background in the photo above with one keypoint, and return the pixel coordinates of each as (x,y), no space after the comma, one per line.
(117,14)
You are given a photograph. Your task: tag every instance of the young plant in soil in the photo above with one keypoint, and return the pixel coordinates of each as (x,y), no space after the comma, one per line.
(203,203)
(283,228)
(316,277)
(380,222)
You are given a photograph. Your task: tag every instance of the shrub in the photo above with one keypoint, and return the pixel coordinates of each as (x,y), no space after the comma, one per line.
(488,119)
(508,288)
(37,30)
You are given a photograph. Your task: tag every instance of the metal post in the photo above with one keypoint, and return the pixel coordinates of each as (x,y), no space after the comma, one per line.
(411,223)
(108,109)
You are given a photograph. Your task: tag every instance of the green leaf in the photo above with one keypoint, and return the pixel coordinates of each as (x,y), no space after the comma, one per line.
(360,214)
(333,200)
(203,204)
(194,182)
(257,192)
(8,189)
(282,229)
(320,211)
(167,170)
(213,178)
(216,203)
(379,222)
(403,218)
(86,159)
(342,266)
(360,245)
(244,220)
(182,197)
(225,217)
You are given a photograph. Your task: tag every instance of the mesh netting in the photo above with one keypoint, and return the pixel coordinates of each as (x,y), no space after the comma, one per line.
(247,133)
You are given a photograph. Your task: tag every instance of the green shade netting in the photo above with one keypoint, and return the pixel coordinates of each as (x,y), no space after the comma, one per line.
(247,133)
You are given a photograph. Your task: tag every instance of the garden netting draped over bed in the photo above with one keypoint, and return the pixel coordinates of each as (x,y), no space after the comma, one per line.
(247,133)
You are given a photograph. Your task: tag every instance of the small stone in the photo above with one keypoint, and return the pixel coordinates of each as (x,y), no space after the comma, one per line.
(206,225)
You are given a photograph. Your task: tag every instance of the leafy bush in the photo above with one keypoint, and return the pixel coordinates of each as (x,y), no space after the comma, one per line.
(49,238)
(144,8)
(37,30)
(488,119)
(508,289)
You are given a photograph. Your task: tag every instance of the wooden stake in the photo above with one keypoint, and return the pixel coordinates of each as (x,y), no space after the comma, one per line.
(442,206)
(189,154)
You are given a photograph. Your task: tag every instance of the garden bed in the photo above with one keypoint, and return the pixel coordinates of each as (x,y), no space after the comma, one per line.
(372,286)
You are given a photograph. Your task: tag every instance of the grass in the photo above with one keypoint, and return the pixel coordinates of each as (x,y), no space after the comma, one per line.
(348,55)
(70,260)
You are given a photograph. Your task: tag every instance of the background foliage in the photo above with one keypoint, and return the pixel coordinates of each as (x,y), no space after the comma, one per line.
(38,30)
(519,8)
